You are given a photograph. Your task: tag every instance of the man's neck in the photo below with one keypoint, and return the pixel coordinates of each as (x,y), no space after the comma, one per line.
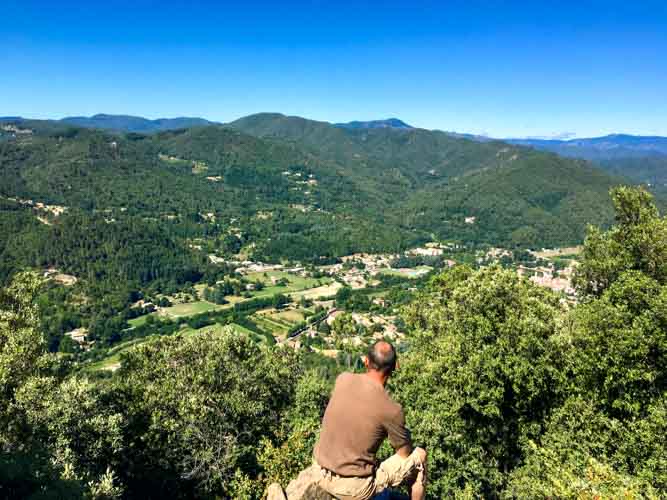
(377,377)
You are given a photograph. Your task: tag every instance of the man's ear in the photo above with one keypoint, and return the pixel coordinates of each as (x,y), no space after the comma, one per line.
(366,362)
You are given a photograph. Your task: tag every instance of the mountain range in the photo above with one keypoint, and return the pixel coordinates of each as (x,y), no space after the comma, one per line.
(394,123)
(642,159)
(602,148)
(331,190)
(126,123)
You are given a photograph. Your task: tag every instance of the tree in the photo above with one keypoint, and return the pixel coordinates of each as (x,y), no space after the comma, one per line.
(620,331)
(606,438)
(324,328)
(637,242)
(279,300)
(586,454)
(620,345)
(283,458)
(483,371)
(343,295)
(22,348)
(199,409)
(44,447)
(344,326)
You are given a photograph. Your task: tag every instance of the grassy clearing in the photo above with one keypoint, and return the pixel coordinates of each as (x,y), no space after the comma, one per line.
(570,252)
(378,294)
(408,273)
(267,324)
(191,308)
(291,315)
(199,167)
(218,330)
(295,283)
(319,292)
(138,321)
(109,363)
(112,361)
(173,160)
(277,323)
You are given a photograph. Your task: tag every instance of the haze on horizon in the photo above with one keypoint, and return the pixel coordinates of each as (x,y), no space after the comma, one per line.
(583,69)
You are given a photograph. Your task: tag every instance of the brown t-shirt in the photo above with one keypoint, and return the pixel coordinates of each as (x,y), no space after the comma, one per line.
(360,415)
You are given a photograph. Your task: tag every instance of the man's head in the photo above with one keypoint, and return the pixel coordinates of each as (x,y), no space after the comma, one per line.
(381,357)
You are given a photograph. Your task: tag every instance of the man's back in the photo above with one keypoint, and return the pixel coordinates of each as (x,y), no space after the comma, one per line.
(359,416)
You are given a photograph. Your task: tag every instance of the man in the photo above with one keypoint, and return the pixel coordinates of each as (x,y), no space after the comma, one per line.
(360,415)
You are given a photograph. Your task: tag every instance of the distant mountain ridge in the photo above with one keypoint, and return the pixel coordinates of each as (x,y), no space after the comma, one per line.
(129,123)
(394,123)
(640,158)
(601,148)
(124,123)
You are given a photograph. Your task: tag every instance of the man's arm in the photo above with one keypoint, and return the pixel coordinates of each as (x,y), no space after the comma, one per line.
(399,435)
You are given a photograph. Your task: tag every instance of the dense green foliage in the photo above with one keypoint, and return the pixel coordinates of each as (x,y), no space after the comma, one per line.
(518,396)
(513,393)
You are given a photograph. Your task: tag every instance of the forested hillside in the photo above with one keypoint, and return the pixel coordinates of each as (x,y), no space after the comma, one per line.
(131,215)
(413,183)
(517,196)
(513,392)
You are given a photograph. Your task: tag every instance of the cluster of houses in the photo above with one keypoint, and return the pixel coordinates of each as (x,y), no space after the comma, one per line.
(58,277)
(545,275)
(55,210)
(14,131)
(548,277)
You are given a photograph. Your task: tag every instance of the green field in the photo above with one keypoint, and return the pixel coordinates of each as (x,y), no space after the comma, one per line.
(113,356)
(218,329)
(267,324)
(408,273)
(112,360)
(296,283)
(324,291)
(297,286)
(134,322)
(191,308)
(277,323)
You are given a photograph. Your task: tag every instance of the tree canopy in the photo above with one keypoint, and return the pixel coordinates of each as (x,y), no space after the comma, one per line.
(514,392)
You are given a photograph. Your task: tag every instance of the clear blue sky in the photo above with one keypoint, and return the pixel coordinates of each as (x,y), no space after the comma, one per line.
(538,68)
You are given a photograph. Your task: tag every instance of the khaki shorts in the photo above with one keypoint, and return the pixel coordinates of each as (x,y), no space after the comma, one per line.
(391,473)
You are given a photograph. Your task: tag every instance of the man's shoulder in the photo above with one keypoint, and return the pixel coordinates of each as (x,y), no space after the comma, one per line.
(345,377)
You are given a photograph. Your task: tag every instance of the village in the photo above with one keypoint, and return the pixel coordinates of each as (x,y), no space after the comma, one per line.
(334,310)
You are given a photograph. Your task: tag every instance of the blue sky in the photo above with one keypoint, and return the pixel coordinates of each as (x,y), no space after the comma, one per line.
(540,68)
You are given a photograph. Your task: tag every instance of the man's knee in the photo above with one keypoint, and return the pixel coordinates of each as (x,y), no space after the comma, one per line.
(420,455)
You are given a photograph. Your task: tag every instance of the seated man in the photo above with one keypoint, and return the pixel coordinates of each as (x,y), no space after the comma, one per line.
(360,415)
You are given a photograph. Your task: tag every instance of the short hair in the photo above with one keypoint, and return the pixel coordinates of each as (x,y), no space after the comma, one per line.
(382,357)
